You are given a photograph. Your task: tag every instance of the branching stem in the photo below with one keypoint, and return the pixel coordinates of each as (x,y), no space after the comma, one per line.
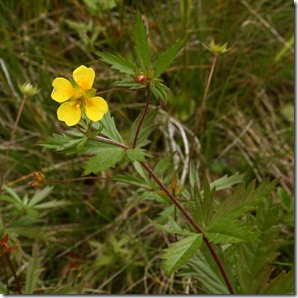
(183,211)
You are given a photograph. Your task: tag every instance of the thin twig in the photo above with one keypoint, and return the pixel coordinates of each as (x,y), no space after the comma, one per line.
(202,108)
(14,274)
(143,118)
(13,133)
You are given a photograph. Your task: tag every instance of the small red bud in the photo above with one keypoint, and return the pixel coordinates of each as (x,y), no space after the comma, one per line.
(140,79)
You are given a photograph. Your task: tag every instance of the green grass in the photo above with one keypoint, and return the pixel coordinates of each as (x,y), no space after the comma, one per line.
(98,243)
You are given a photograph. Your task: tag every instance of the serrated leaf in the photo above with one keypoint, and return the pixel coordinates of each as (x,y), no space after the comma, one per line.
(68,142)
(180,252)
(136,154)
(231,232)
(118,62)
(141,44)
(166,58)
(106,158)
(109,128)
(243,200)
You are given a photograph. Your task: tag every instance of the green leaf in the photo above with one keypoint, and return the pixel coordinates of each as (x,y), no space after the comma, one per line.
(69,142)
(206,271)
(164,164)
(106,158)
(142,172)
(283,284)
(34,269)
(141,44)
(254,260)
(128,83)
(232,232)
(227,182)
(118,62)
(180,252)
(40,195)
(147,128)
(15,198)
(166,58)
(243,200)
(136,154)
(173,229)
(130,179)
(109,128)
(159,90)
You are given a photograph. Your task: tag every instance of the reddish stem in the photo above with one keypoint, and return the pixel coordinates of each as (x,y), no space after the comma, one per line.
(193,223)
(14,273)
(142,119)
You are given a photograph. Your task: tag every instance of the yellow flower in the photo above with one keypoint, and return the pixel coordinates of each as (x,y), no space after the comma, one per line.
(78,97)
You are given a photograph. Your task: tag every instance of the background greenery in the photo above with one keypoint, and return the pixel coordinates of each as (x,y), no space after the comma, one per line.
(92,238)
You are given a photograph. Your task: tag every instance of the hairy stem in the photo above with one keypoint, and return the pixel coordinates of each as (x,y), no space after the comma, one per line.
(143,118)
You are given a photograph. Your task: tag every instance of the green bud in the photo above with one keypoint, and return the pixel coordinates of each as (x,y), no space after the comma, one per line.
(28,89)
(216,48)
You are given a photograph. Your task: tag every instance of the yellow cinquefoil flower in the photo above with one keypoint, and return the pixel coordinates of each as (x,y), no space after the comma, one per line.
(78,97)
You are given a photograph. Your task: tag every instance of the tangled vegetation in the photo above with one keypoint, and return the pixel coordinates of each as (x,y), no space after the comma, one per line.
(184,184)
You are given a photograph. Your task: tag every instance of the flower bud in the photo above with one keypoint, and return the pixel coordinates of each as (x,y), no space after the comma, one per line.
(28,89)
(38,178)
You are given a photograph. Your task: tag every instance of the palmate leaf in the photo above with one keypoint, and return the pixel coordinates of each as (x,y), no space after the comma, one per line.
(180,252)
(166,58)
(142,49)
(106,158)
(118,62)
(243,200)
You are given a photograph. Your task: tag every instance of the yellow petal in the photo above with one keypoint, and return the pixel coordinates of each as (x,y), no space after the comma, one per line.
(84,77)
(70,112)
(63,90)
(95,108)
